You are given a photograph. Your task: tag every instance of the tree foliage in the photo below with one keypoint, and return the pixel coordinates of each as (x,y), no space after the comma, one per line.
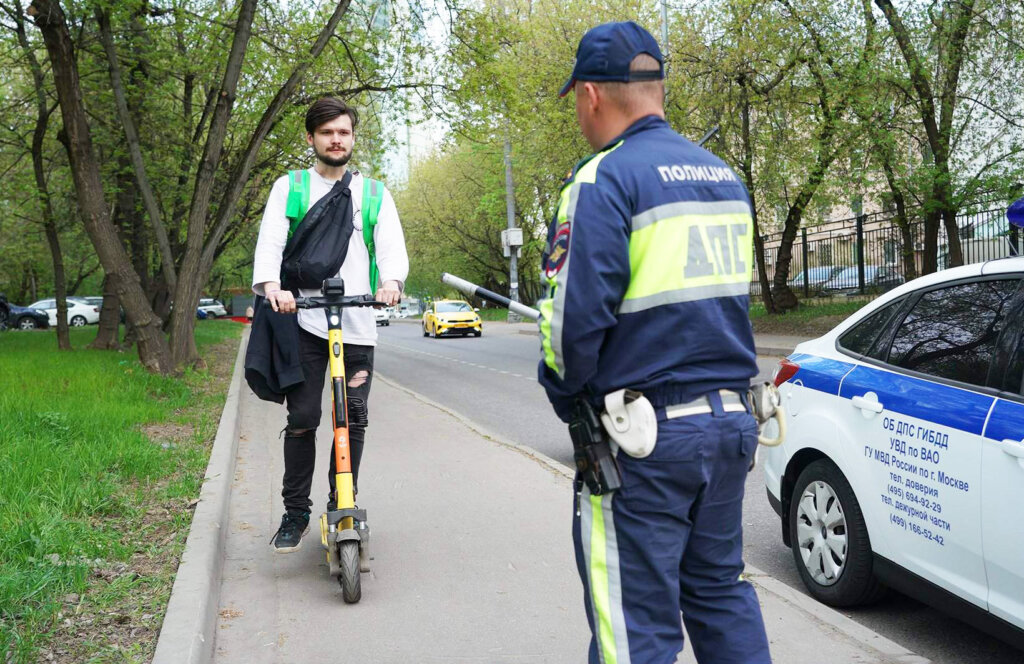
(190,111)
(816,106)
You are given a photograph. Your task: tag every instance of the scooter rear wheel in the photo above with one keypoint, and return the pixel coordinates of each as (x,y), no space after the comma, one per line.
(348,557)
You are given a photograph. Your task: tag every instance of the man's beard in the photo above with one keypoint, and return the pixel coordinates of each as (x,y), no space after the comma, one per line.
(332,161)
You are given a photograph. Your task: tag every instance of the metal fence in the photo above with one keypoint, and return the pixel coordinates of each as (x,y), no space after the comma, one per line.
(864,255)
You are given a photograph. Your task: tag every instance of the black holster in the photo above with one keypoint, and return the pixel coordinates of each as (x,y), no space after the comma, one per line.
(595,464)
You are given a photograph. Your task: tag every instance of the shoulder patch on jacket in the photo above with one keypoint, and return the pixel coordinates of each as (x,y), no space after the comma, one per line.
(559,251)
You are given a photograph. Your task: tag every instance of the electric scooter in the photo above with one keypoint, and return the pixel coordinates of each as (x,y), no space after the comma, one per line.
(343,530)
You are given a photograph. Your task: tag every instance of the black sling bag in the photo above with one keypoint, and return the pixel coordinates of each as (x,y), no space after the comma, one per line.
(317,248)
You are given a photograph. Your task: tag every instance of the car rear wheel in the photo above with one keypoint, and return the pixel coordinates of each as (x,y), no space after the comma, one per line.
(27,323)
(829,538)
(425,331)
(77,321)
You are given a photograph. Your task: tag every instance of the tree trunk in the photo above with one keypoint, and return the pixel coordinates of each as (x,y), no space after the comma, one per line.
(929,259)
(200,248)
(135,150)
(952,29)
(191,279)
(748,175)
(154,352)
(110,319)
(59,284)
(42,190)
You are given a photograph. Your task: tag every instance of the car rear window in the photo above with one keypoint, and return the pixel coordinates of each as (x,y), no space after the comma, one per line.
(952,332)
(861,337)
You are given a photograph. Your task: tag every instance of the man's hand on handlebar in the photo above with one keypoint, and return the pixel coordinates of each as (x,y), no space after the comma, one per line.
(282,301)
(390,292)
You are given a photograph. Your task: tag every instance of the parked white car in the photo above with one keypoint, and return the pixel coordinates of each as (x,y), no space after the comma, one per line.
(211,307)
(382,316)
(79,312)
(903,465)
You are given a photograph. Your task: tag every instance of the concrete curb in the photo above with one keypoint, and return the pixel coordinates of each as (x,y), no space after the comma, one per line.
(892,652)
(186,636)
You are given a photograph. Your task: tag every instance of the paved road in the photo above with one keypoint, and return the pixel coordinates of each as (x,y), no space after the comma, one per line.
(491,380)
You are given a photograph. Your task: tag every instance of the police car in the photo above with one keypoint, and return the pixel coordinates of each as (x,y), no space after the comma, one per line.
(903,463)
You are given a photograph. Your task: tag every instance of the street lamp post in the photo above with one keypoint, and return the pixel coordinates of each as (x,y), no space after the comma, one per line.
(512,238)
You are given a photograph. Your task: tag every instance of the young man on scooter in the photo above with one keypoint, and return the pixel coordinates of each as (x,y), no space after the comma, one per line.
(330,132)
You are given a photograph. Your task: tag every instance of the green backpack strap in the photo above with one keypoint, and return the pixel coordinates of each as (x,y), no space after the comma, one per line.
(373,195)
(298,199)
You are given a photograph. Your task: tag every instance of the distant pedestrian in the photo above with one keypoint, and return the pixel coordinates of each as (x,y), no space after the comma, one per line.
(647,268)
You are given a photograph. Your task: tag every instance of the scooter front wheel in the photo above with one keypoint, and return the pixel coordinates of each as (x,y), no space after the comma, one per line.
(348,557)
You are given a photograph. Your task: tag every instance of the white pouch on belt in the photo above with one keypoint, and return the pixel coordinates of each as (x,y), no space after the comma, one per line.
(630,420)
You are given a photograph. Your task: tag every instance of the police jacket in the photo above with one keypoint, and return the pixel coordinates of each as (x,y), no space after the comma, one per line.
(648,266)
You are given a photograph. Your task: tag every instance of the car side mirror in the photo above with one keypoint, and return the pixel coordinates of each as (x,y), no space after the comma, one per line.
(476,308)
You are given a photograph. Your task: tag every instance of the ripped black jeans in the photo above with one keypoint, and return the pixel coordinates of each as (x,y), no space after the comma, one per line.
(304,412)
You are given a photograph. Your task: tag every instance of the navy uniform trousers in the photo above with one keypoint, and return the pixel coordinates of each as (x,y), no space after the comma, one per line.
(670,541)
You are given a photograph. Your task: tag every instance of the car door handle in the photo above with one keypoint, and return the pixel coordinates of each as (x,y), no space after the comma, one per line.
(867,404)
(1014,448)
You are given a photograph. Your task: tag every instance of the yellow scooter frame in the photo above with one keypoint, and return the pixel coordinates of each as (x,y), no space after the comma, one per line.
(343,530)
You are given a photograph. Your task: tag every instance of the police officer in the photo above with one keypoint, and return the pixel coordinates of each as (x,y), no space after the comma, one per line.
(647,268)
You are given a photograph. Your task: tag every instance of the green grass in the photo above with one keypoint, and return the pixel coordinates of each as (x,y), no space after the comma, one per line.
(809,311)
(77,473)
(494,314)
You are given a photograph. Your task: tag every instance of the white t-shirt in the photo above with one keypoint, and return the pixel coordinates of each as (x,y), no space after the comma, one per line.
(392,261)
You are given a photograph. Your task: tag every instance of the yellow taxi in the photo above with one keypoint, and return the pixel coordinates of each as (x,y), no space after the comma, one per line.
(451,317)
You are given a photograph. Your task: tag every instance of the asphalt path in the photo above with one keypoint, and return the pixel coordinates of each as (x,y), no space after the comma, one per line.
(491,380)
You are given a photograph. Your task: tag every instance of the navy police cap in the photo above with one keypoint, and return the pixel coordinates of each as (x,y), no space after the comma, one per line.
(605,52)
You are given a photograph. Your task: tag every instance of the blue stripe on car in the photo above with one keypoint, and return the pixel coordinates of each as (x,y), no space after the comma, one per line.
(820,373)
(949,406)
(1007,421)
(941,404)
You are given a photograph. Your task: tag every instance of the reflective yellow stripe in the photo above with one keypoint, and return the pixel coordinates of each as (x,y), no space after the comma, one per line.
(706,254)
(599,584)
(552,308)
(546,307)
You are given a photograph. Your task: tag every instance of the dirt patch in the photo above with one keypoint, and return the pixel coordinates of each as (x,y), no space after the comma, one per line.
(167,434)
(118,618)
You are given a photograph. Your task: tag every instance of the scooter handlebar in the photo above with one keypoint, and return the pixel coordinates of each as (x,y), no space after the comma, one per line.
(322,302)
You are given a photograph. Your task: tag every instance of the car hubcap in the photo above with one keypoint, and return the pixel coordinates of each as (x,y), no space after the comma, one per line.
(821,533)
(26,325)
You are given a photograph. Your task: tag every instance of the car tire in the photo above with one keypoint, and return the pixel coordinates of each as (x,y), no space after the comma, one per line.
(26,323)
(78,321)
(477,334)
(823,503)
(425,331)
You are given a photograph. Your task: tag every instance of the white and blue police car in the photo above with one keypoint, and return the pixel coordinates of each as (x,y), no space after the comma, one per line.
(903,464)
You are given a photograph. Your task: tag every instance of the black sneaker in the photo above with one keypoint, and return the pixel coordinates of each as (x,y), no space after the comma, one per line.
(294,524)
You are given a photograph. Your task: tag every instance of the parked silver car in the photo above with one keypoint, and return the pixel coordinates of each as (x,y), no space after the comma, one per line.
(212,308)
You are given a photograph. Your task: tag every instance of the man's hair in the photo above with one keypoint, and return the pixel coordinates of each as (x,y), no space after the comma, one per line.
(631,96)
(326,109)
